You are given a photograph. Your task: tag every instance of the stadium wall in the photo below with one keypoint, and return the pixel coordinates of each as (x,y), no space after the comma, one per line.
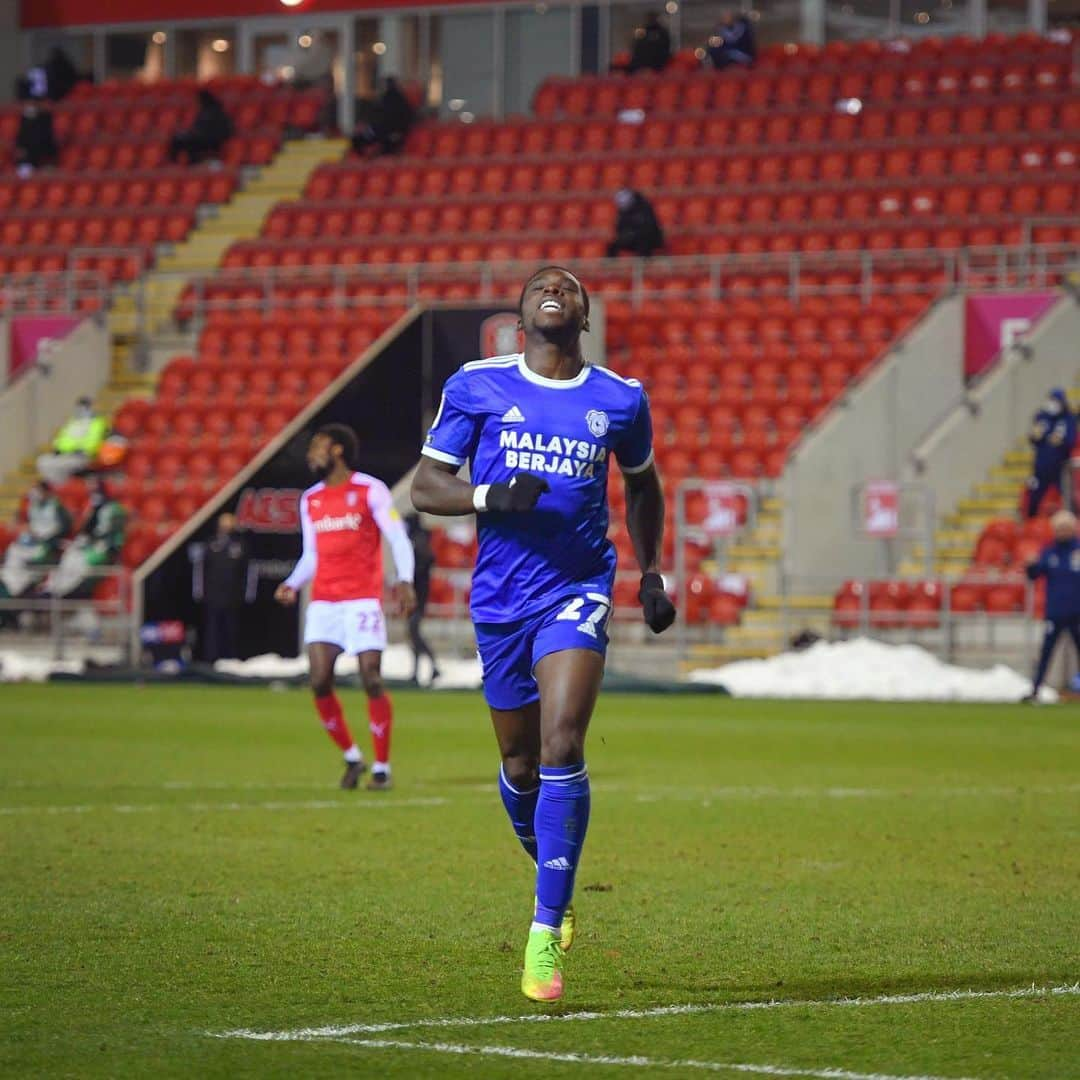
(388,395)
(954,456)
(38,402)
(9,48)
(868,436)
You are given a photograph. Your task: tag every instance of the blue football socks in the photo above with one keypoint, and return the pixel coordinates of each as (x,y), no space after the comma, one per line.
(562,818)
(521,807)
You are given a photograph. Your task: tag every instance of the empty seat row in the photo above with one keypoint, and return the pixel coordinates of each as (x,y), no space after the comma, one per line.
(91,228)
(111,266)
(465,145)
(57,192)
(883,81)
(685,166)
(905,605)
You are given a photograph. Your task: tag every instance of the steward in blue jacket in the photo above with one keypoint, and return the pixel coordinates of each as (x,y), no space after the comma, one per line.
(1059,563)
(1053,432)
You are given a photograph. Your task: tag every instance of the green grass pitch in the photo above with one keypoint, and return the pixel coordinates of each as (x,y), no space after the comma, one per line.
(177,863)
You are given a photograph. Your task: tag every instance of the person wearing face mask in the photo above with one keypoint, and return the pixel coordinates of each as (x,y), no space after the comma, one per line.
(97,543)
(1059,563)
(47,523)
(76,446)
(1053,432)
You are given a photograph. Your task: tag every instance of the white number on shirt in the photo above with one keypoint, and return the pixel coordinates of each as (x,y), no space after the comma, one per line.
(596,619)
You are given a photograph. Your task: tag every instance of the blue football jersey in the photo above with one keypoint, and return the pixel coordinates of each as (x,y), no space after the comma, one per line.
(503,418)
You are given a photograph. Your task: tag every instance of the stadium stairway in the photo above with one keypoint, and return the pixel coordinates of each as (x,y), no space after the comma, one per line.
(241,218)
(998,496)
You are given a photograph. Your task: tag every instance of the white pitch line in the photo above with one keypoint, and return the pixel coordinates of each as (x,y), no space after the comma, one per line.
(635,1061)
(339,1031)
(210,807)
(641,794)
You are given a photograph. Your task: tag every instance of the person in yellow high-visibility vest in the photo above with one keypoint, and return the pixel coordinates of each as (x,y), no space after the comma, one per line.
(76,446)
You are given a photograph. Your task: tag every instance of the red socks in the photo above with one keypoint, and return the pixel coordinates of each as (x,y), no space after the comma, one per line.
(333,719)
(380,721)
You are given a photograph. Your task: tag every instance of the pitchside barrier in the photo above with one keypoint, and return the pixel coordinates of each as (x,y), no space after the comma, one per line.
(61,626)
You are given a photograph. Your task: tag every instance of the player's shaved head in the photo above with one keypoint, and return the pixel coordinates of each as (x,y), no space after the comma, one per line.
(557,270)
(342,435)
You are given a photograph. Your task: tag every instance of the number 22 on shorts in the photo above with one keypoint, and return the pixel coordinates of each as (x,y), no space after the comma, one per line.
(597,618)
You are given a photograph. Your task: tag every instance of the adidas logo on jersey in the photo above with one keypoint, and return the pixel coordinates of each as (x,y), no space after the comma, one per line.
(513,415)
(561,863)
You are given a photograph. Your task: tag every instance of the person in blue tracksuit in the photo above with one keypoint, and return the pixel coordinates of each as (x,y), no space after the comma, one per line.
(1059,563)
(1053,432)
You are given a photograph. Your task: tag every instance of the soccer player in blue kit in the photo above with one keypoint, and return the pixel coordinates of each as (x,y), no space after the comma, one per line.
(538,430)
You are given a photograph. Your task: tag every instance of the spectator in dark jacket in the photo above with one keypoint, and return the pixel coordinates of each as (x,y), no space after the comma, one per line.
(1060,565)
(209,132)
(1052,435)
(637,229)
(652,46)
(389,122)
(60,73)
(224,580)
(35,143)
(733,41)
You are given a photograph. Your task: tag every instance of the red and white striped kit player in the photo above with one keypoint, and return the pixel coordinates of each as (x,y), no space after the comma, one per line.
(344,519)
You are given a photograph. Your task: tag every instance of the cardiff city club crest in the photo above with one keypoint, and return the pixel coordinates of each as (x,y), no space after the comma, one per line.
(597,420)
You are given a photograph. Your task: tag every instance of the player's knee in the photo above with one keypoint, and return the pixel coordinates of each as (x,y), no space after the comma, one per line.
(322,683)
(522,771)
(563,748)
(373,684)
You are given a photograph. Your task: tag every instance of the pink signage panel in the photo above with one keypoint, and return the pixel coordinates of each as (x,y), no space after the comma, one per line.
(30,335)
(991,323)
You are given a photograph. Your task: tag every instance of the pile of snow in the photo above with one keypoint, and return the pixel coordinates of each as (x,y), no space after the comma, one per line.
(29,667)
(868,671)
(396,664)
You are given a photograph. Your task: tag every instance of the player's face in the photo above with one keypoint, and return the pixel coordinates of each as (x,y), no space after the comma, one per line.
(553,301)
(320,456)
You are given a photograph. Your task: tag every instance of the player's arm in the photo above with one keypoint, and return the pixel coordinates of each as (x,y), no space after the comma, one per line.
(393,529)
(287,592)
(645,516)
(451,441)
(645,524)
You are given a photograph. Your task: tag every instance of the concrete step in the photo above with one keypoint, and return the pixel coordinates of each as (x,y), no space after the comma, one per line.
(1017,474)
(717,655)
(753,553)
(809,602)
(987,506)
(999,489)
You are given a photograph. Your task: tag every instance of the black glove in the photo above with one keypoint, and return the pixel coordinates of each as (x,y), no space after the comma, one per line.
(655,603)
(520,494)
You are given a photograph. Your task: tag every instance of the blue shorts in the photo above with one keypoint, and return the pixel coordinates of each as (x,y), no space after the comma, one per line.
(510,651)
